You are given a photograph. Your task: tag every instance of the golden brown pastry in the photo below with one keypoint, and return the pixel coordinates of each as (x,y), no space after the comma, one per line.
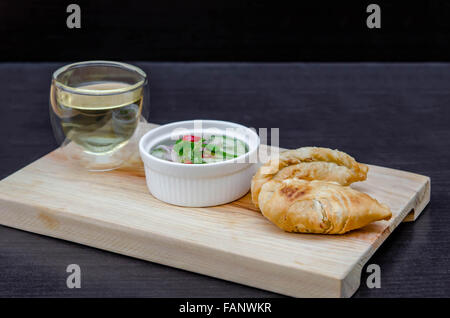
(310,163)
(296,205)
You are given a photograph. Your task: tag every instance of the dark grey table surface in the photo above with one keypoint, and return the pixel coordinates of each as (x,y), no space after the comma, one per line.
(394,115)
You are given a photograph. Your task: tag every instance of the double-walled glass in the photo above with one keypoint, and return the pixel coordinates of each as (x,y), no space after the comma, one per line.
(95,110)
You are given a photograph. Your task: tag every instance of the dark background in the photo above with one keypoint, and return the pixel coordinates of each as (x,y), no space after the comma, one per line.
(205,30)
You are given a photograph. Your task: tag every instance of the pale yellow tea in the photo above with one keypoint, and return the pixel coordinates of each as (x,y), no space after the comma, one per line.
(100,117)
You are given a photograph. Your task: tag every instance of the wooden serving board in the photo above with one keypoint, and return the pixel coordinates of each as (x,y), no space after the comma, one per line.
(114,211)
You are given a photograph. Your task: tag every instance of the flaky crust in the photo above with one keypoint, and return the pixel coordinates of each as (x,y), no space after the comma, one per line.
(296,205)
(309,163)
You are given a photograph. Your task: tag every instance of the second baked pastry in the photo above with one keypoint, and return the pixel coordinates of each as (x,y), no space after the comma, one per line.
(309,163)
(296,205)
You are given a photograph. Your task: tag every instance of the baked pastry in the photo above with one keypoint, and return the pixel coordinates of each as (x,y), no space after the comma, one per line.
(309,163)
(296,205)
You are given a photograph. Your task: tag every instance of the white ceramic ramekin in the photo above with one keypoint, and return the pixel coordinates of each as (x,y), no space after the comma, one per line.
(199,185)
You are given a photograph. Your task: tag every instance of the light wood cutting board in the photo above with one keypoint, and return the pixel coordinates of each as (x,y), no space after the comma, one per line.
(114,211)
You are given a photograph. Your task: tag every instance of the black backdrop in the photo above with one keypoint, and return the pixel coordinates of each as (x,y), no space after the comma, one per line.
(386,114)
(214,30)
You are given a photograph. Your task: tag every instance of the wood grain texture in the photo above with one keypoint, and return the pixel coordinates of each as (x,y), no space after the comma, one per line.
(114,211)
(393,115)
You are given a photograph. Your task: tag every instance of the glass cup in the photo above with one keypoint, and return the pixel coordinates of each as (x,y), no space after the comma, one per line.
(95,110)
